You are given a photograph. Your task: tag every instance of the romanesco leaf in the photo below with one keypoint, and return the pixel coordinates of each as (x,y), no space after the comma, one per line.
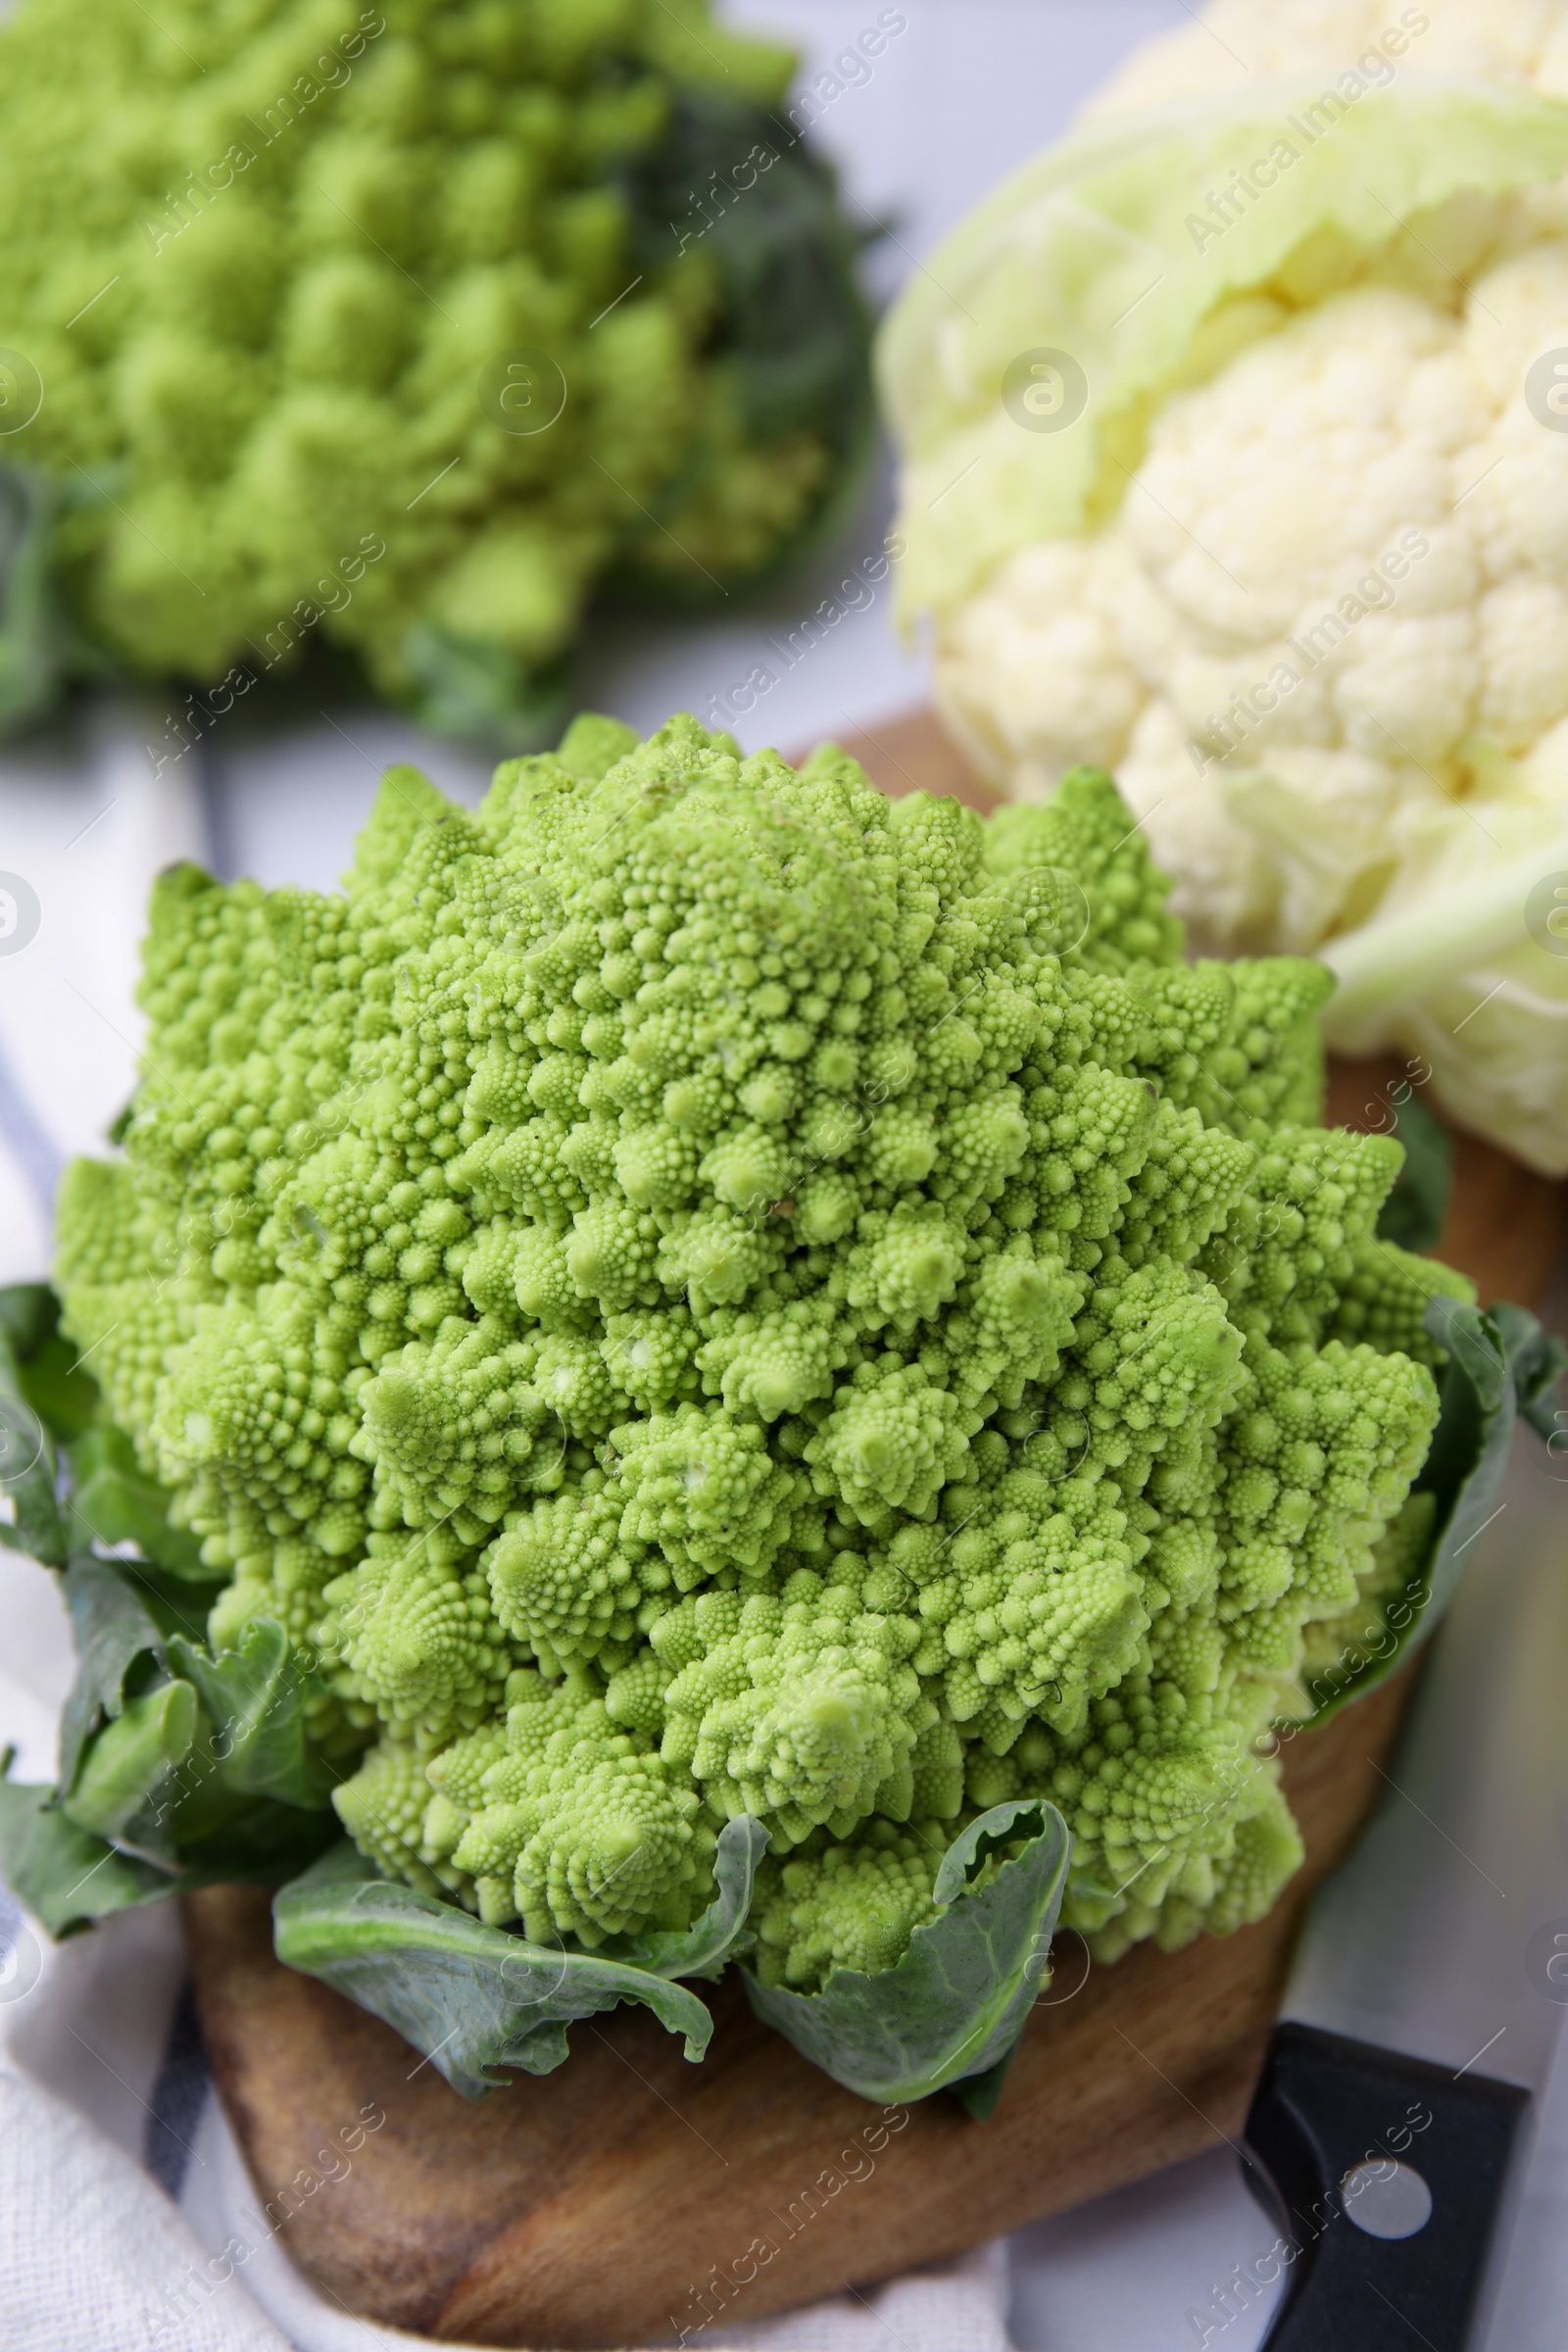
(1461,1480)
(955,2004)
(113,1504)
(721,1934)
(472,1998)
(66,1876)
(31,1520)
(112,1629)
(257,1697)
(1539,1359)
(1413,1213)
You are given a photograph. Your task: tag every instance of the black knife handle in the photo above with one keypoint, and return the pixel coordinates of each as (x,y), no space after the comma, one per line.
(1326,2106)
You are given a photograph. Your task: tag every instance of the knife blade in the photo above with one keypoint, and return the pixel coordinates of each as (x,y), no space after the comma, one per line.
(1422,2010)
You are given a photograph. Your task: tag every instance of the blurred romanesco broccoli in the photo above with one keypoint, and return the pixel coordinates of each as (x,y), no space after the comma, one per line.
(285,288)
(698,1291)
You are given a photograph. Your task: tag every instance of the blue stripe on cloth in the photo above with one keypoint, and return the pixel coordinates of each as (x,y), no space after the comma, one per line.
(31,1144)
(174,2111)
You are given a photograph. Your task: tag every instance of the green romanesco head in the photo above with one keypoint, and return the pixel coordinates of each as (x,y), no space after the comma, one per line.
(402,324)
(697,1290)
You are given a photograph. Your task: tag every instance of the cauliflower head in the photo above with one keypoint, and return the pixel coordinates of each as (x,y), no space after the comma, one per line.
(1299,570)
(401,326)
(695,1290)
(1522,41)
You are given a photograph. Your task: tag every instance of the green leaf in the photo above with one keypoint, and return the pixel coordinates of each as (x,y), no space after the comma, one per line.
(29,1471)
(175,1605)
(1413,1215)
(721,1933)
(471,1997)
(256,1697)
(29,1313)
(254,1842)
(69,1878)
(790,329)
(978,2094)
(62,1392)
(792,320)
(461,686)
(1488,1354)
(50,1373)
(953,2007)
(65,1876)
(1539,1359)
(112,1501)
(197,1811)
(33,644)
(127,1765)
(112,1628)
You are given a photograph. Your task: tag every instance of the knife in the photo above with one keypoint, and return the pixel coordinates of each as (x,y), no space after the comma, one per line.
(1397,2101)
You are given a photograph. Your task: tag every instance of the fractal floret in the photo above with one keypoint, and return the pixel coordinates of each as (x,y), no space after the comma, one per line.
(400,326)
(695,1291)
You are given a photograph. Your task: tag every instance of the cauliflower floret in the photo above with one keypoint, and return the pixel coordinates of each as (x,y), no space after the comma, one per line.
(1234,40)
(1048,636)
(1295,703)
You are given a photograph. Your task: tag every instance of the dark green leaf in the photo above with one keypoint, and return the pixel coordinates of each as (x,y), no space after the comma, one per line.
(721,1933)
(954,2005)
(464,687)
(791,327)
(978,2094)
(1462,1475)
(30,1314)
(112,1629)
(791,319)
(200,1809)
(28,1472)
(62,1392)
(48,1366)
(258,1843)
(1539,1359)
(256,1697)
(34,645)
(1412,1216)
(471,1999)
(69,1878)
(65,1876)
(175,1605)
(112,1501)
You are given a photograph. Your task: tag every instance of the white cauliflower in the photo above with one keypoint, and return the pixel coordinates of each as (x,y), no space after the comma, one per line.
(1247,554)
(1232,40)
(1311,604)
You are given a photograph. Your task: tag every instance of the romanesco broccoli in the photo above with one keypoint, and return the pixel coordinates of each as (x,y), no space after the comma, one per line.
(695,1290)
(404,323)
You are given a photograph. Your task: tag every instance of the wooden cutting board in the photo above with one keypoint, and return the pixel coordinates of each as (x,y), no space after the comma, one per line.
(630,2195)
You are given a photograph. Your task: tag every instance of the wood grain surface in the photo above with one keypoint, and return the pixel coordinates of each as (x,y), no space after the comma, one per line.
(630,2195)
(594,2207)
